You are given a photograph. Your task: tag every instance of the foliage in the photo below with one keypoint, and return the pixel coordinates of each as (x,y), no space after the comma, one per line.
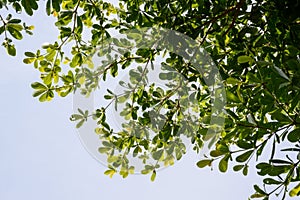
(255,45)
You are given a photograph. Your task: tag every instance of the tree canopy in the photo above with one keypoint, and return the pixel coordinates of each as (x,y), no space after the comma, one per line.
(252,105)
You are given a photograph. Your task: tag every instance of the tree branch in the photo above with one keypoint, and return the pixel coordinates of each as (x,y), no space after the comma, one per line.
(237,10)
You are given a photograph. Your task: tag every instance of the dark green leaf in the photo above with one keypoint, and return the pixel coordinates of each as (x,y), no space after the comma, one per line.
(294,135)
(245,170)
(270,181)
(244,157)
(216,153)
(258,190)
(38,86)
(238,167)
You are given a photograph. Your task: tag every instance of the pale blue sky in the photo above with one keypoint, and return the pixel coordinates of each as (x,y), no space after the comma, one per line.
(42,157)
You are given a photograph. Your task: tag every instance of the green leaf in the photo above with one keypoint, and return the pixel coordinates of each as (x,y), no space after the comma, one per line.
(270,181)
(244,157)
(48,78)
(204,163)
(17,7)
(56,5)
(257,195)
(110,172)
(111,159)
(30,54)
(244,144)
(114,69)
(80,123)
(29,60)
(134,114)
(231,97)
(238,167)
(136,151)
(43,97)
(223,164)
(278,115)
(108,97)
(17,27)
(50,55)
(153,175)
(48,7)
(223,148)
(104,149)
(33,4)
(178,153)
(11,50)
(232,81)
(294,135)
(245,170)
(216,153)
(76,60)
(14,21)
(295,191)
(131,170)
(38,86)
(252,78)
(136,36)
(244,59)
(76,117)
(2,29)
(258,190)
(145,171)
(158,154)
(106,144)
(260,149)
(38,93)
(27,6)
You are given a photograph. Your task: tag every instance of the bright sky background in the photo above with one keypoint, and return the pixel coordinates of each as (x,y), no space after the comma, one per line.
(42,157)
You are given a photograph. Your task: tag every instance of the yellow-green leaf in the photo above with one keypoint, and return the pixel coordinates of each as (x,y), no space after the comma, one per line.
(153,175)
(244,59)
(295,191)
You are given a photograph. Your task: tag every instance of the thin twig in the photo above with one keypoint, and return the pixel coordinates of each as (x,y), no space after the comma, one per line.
(4,24)
(237,10)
